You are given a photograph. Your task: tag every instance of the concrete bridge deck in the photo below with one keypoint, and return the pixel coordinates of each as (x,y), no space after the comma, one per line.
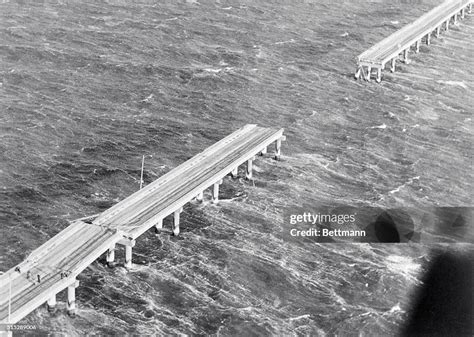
(146,207)
(412,34)
(55,265)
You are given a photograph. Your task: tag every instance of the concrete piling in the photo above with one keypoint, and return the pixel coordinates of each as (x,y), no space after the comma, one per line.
(357,73)
(128,257)
(200,196)
(110,257)
(392,67)
(71,299)
(177,215)
(249,173)
(215,192)
(52,303)
(159,225)
(406,60)
(379,75)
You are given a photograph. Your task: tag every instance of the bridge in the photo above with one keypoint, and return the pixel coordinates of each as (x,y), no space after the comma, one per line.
(55,265)
(400,42)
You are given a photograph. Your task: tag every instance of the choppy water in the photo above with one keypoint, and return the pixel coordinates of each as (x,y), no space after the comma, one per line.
(87,88)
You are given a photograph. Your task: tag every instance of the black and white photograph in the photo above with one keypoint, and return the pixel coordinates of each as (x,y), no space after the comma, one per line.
(236,168)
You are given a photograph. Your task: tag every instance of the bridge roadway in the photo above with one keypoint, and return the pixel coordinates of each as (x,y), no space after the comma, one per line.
(70,252)
(145,207)
(63,257)
(389,48)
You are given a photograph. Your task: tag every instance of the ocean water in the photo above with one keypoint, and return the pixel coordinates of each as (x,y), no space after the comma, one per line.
(87,88)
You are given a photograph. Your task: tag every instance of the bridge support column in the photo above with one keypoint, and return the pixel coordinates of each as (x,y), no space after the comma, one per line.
(447,25)
(369,73)
(278,147)
(392,65)
(159,226)
(128,257)
(71,298)
(215,192)
(52,303)
(463,13)
(438,31)
(379,75)
(428,39)
(128,243)
(200,196)
(235,172)
(264,151)
(470,8)
(111,256)
(417,46)
(405,56)
(455,19)
(249,173)
(177,214)
(357,73)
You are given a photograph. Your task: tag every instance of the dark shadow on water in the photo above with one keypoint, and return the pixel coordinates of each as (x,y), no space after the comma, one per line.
(443,305)
(392,226)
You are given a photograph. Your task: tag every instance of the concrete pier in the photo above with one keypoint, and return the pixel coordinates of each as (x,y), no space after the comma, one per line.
(110,258)
(59,261)
(128,257)
(159,223)
(406,59)
(52,303)
(128,244)
(249,172)
(400,42)
(278,147)
(215,192)
(71,299)
(177,215)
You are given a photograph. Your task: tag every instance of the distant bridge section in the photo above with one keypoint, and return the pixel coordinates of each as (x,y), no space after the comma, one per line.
(400,42)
